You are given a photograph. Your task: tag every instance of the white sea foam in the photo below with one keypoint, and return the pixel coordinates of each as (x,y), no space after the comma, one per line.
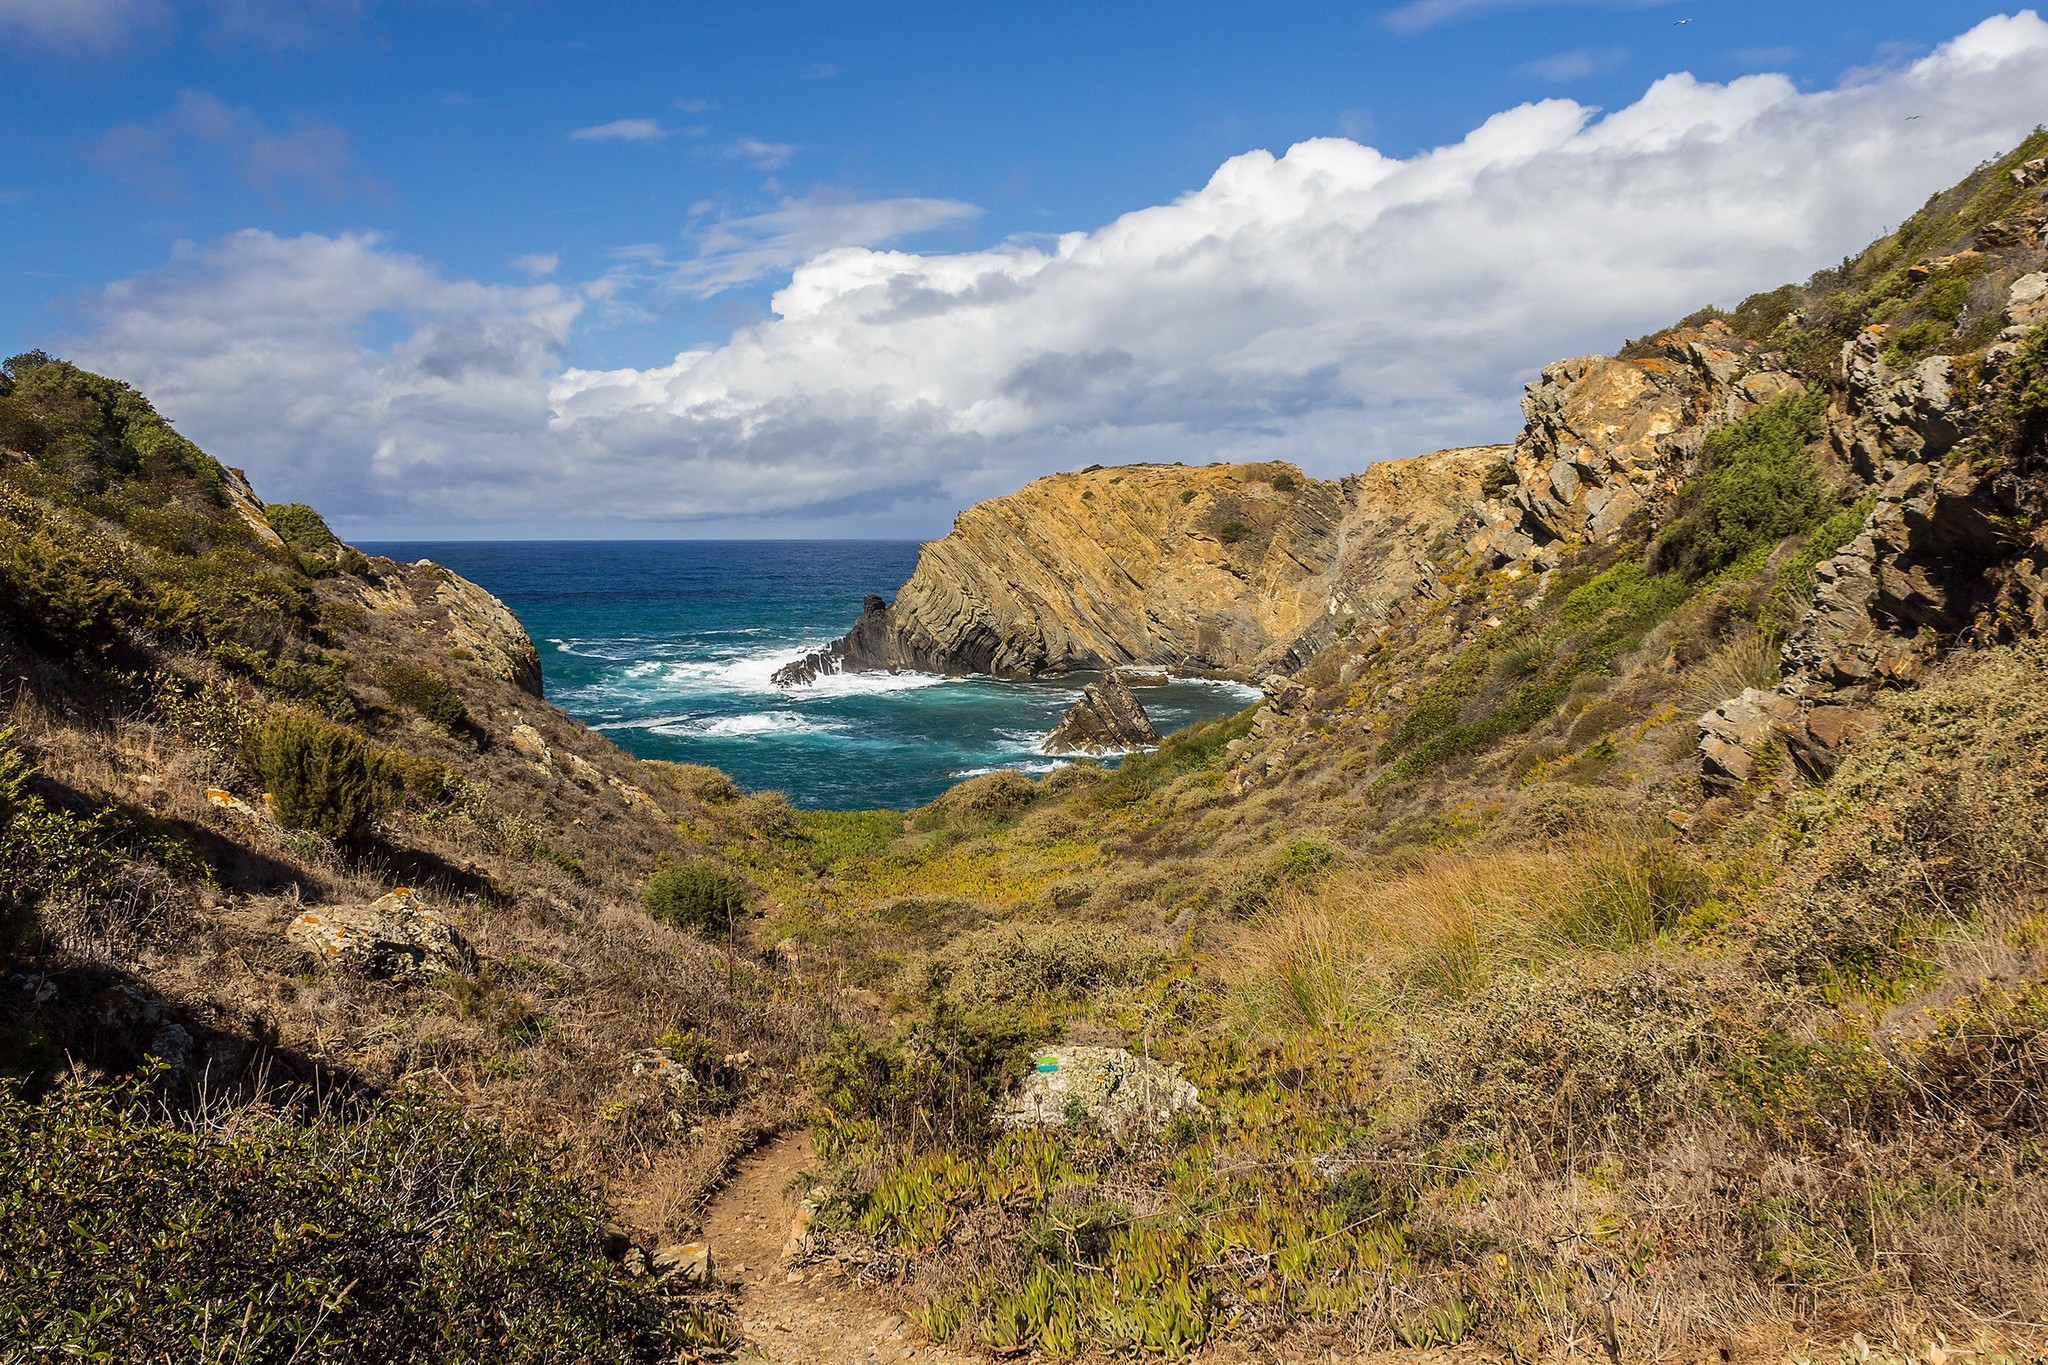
(1037,768)
(750,726)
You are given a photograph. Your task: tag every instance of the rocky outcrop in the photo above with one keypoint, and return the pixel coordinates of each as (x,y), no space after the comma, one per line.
(1224,569)
(1954,549)
(486,627)
(1108,719)
(1610,439)
(475,624)
(399,937)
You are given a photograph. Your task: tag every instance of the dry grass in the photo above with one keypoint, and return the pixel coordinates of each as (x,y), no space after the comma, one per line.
(1358,946)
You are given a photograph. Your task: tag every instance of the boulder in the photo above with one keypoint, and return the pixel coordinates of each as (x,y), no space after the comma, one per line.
(1142,677)
(397,938)
(1121,1091)
(1107,719)
(686,1262)
(1734,735)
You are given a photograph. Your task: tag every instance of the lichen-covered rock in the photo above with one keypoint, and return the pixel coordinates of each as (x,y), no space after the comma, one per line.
(1121,1091)
(486,627)
(1735,735)
(399,937)
(1107,719)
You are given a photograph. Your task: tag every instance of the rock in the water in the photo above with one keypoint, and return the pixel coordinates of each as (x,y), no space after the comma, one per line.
(1119,1090)
(1107,719)
(1142,677)
(397,938)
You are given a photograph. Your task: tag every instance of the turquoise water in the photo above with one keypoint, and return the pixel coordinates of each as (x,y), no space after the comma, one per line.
(667,647)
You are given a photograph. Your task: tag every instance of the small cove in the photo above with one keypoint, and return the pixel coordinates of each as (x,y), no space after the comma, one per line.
(667,648)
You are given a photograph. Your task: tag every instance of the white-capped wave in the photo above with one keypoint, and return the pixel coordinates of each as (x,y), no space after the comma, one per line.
(750,726)
(1036,768)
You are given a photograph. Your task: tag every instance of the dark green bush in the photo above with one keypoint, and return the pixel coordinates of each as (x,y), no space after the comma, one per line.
(1499,477)
(412,1235)
(1755,488)
(424,692)
(320,776)
(1283,482)
(1231,532)
(62,583)
(698,894)
(301,527)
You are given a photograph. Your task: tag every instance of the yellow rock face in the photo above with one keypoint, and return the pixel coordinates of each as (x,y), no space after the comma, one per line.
(1223,568)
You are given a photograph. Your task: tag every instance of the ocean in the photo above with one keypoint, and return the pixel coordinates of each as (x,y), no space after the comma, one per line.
(667,647)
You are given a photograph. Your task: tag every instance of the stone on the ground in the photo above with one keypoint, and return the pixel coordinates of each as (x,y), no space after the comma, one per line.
(227,800)
(686,1262)
(399,937)
(1121,1091)
(1735,734)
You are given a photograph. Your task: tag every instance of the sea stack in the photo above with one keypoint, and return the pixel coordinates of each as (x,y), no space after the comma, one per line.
(1108,719)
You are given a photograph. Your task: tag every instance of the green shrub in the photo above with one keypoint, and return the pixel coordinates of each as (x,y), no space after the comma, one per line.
(979,803)
(300,527)
(1755,488)
(765,815)
(699,895)
(1499,477)
(1916,340)
(411,1234)
(1231,532)
(1302,861)
(2015,424)
(62,583)
(425,693)
(320,776)
(1283,482)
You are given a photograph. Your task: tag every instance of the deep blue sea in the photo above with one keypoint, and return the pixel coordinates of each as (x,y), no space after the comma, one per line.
(667,647)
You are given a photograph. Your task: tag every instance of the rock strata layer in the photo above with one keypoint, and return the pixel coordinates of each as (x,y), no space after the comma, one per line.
(1225,569)
(1108,719)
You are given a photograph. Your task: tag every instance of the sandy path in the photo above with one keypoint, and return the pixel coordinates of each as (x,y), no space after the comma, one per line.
(803,1313)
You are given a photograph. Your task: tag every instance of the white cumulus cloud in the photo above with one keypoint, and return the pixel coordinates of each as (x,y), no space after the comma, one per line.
(1331,304)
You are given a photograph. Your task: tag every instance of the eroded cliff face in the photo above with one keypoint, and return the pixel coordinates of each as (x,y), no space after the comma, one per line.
(1954,551)
(1225,569)
(1610,438)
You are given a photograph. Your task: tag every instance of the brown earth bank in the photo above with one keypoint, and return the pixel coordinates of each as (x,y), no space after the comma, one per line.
(1619,933)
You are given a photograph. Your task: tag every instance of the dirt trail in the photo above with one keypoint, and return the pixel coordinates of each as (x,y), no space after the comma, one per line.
(797,1313)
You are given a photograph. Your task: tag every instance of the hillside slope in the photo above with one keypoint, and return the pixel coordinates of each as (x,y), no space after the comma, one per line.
(1631,948)
(290,831)
(1620,932)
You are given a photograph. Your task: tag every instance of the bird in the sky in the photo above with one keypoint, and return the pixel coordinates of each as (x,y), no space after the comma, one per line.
(1911,117)
(1680,23)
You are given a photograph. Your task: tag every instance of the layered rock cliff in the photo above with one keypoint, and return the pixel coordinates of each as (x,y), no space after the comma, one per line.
(1223,569)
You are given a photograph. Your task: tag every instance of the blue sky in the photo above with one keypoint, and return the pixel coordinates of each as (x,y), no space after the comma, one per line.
(377,251)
